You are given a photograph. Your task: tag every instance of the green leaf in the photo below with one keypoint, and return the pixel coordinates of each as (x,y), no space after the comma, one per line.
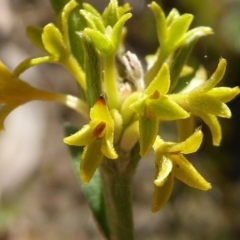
(93,191)
(53,40)
(76,23)
(35,35)
(93,70)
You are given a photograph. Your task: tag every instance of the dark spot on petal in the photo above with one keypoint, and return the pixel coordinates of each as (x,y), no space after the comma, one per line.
(155,95)
(98,131)
(101,100)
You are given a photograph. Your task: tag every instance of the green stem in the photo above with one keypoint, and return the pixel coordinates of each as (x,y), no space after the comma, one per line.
(118,199)
(153,71)
(110,82)
(117,188)
(75,69)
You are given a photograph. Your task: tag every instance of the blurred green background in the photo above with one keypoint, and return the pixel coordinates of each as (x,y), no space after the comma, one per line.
(39,195)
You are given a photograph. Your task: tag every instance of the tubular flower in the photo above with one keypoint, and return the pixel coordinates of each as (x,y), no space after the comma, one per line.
(170,163)
(154,105)
(14,92)
(97,136)
(208,102)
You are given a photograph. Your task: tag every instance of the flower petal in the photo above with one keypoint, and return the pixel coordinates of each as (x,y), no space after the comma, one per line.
(214,126)
(84,136)
(190,145)
(166,109)
(185,172)
(208,104)
(224,94)
(213,80)
(161,82)
(91,159)
(164,166)
(162,194)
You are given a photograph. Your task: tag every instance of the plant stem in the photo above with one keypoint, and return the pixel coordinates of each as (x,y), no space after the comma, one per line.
(118,199)
(117,188)
(110,82)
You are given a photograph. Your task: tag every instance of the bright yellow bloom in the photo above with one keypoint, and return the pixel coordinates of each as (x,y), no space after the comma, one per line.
(97,136)
(208,102)
(170,163)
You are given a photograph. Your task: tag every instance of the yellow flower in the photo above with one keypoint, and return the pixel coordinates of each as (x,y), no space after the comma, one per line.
(208,102)
(15,92)
(97,136)
(170,163)
(154,105)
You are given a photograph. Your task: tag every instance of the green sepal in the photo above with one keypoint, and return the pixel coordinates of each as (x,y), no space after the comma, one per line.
(101,41)
(89,8)
(93,21)
(148,129)
(116,36)
(183,53)
(172,16)
(160,22)
(53,40)
(35,35)
(176,31)
(162,194)
(93,190)
(110,14)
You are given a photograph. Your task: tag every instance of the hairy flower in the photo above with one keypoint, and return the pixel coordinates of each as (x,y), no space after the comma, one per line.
(170,163)
(154,105)
(208,102)
(97,136)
